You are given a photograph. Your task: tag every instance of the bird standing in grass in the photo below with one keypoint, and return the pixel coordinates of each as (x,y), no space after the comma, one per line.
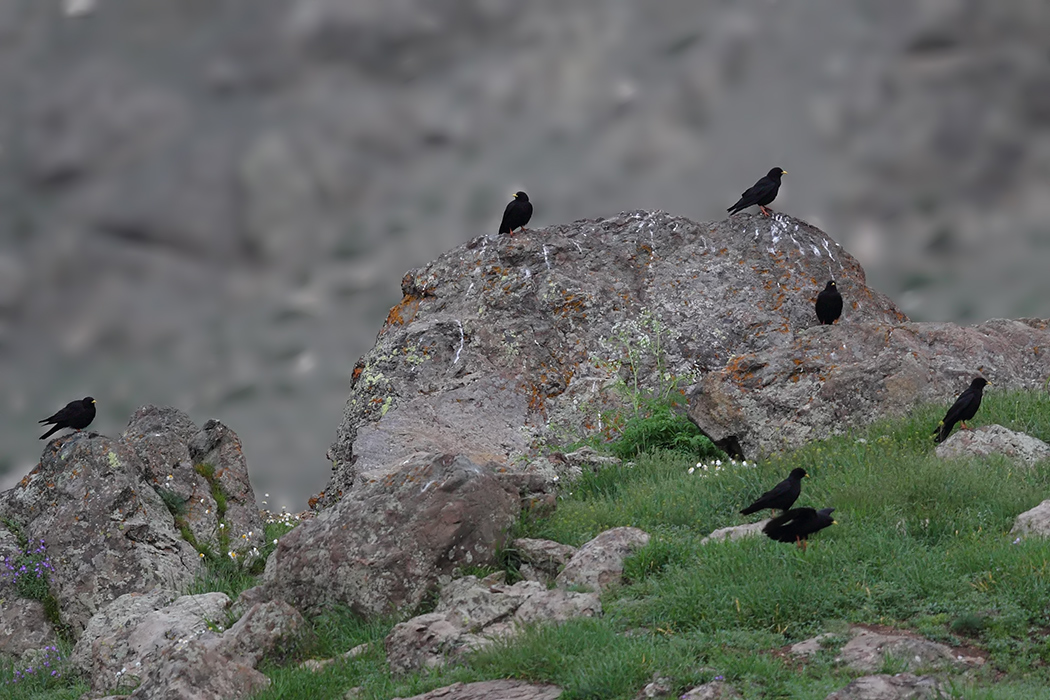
(761,193)
(829,304)
(517,213)
(964,408)
(781,496)
(76,414)
(798,524)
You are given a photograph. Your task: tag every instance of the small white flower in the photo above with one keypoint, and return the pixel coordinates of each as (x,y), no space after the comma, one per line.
(222,526)
(692,469)
(275,540)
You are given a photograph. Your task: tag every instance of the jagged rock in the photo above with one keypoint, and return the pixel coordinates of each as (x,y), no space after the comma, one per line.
(735,532)
(715,690)
(217,446)
(903,686)
(993,439)
(491,690)
(822,379)
(172,449)
(384,548)
(867,651)
(221,667)
(1035,521)
(505,345)
(544,556)
(122,641)
(106,530)
(600,561)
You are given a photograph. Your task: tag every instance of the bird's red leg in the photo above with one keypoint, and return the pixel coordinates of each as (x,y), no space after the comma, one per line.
(963,423)
(805,543)
(764,210)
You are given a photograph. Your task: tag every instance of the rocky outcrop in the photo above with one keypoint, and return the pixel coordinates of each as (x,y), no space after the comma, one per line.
(507,344)
(387,546)
(105,528)
(491,690)
(821,380)
(994,439)
(903,686)
(193,467)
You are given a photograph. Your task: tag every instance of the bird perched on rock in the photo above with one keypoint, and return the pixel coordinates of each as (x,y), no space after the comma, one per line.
(517,213)
(780,496)
(829,304)
(964,408)
(761,193)
(797,524)
(76,414)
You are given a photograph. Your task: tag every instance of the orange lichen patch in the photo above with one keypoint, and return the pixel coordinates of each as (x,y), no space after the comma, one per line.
(404,311)
(356,374)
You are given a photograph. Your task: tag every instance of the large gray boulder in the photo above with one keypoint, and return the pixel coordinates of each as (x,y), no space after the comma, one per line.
(824,379)
(387,546)
(491,690)
(105,528)
(504,345)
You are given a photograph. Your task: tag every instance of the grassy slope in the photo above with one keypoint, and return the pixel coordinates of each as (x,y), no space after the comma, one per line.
(921,544)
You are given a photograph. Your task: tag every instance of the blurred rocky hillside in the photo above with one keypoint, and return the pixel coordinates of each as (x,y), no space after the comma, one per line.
(211,203)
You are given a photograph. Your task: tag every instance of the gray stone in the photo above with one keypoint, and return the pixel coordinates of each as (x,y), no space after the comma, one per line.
(106,530)
(1033,522)
(659,687)
(23,625)
(557,605)
(121,642)
(811,646)
(823,379)
(994,439)
(321,664)
(599,562)
(386,547)
(715,690)
(735,532)
(545,556)
(867,651)
(491,690)
(903,686)
(426,641)
(221,667)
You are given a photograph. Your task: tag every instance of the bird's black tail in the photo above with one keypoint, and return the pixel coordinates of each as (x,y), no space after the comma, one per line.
(54,429)
(942,432)
(749,510)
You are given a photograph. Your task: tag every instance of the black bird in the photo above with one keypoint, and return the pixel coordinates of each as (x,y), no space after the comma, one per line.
(761,193)
(76,414)
(797,524)
(829,304)
(964,408)
(780,496)
(517,213)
